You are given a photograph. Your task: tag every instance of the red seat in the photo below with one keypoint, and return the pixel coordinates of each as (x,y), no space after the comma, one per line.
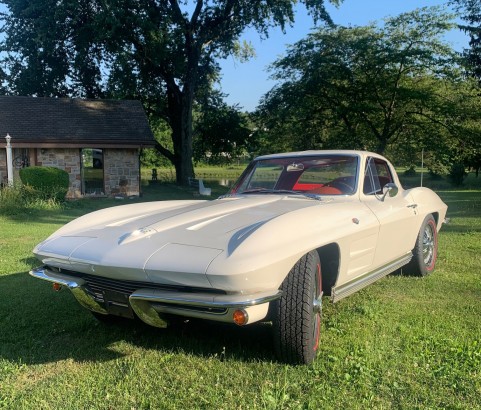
(327,190)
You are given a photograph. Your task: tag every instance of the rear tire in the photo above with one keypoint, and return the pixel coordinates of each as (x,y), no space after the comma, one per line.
(425,251)
(297,314)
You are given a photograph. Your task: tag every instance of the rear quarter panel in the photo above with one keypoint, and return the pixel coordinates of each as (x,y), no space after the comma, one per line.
(428,202)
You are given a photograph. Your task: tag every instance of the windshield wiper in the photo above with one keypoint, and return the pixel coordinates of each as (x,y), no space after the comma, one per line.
(304,194)
(257,190)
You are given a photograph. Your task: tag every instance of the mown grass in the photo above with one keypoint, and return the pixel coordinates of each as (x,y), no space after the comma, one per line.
(402,343)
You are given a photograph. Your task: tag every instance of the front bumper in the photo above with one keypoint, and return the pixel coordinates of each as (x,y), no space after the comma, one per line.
(151,305)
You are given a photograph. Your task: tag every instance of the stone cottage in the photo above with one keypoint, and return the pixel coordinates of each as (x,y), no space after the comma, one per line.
(98,142)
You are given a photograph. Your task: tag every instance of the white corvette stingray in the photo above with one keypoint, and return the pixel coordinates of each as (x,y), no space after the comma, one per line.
(295,227)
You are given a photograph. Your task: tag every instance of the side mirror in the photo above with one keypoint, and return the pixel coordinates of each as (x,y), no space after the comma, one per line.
(390,189)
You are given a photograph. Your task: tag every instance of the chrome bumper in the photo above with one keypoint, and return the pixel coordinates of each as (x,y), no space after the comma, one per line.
(150,304)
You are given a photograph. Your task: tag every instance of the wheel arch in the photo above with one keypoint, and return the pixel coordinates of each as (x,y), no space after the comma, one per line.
(435,215)
(330,257)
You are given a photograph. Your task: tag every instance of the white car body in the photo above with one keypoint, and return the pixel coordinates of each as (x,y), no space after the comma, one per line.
(214,259)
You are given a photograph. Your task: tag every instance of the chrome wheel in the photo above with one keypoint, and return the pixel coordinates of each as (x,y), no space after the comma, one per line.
(317,307)
(425,250)
(429,243)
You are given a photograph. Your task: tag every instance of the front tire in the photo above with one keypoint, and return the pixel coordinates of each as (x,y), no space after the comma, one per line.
(425,251)
(297,314)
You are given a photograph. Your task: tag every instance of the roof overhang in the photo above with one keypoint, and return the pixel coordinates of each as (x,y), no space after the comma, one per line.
(51,145)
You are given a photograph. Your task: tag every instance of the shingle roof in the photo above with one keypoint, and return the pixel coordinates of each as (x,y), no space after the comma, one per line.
(74,121)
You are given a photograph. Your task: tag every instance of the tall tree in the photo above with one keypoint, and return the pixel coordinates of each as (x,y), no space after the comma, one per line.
(369,87)
(470,11)
(222,132)
(49,49)
(167,47)
(471,14)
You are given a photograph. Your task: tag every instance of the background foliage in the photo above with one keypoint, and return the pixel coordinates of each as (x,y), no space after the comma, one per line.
(162,52)
(395,89)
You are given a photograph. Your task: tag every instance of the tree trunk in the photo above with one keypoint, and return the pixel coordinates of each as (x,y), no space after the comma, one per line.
(180,107)
(381,145)
(183,103)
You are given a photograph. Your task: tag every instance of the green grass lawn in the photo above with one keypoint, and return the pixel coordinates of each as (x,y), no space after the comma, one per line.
(402,343)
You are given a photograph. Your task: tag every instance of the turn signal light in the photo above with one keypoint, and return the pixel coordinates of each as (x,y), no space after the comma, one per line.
(240,317)
(56,286)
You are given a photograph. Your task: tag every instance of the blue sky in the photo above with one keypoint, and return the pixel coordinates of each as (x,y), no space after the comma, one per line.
(245,83)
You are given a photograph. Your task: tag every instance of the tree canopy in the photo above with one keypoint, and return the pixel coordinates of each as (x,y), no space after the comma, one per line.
(471,14)
(160,51)
(470,11)
(396,88)
(222,132)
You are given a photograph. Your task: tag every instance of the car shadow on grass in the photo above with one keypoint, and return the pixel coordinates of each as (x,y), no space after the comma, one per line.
(38,325)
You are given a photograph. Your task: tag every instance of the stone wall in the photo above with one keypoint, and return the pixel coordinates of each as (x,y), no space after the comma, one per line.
(67,159)
(121,172)
(121,169)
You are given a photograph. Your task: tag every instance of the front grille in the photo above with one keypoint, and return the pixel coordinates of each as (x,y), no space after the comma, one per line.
(97,285)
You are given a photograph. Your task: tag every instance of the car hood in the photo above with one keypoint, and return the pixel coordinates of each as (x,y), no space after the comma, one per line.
(162,241)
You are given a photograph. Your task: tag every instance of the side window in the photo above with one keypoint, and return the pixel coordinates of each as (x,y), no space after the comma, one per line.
(377,175)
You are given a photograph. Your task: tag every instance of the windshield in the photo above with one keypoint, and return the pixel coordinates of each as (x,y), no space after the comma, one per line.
(319,175)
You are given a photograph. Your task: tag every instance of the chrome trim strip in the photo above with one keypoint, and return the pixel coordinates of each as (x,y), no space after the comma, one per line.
(204,300)
(340,292)
(149,304)
(76,286)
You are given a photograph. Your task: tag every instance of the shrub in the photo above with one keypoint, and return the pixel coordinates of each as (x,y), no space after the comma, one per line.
(457,173)
(11,200)
(434,175)
(45,182)
(410,172)
(15,200)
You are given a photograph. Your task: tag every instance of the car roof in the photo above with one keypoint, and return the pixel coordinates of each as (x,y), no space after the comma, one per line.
(319,152)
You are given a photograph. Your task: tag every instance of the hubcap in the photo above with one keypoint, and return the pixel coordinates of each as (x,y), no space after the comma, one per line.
(428,244)
(317,307)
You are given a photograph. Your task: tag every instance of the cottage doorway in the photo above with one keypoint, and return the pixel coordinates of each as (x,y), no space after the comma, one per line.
(92,171)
